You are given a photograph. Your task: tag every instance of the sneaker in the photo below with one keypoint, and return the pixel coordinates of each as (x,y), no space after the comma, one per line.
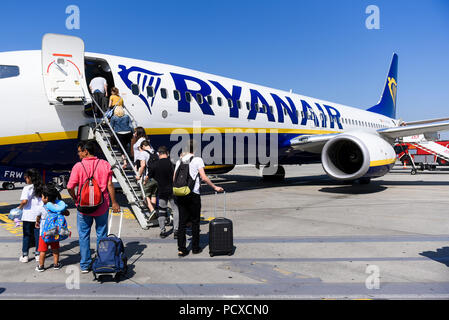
(40,268)
(85,271)
(23,259)
(182,253)
(57,266)
(163,234)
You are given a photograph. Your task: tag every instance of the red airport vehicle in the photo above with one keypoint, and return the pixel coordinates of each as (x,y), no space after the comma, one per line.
(420,154)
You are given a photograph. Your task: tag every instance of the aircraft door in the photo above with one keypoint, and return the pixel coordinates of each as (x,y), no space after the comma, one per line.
(63,70)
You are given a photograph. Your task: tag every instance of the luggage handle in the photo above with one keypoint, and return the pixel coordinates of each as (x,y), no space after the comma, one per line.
(215,206)
(110,223)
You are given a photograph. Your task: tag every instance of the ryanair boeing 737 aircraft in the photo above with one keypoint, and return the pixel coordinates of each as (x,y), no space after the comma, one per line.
(44,94)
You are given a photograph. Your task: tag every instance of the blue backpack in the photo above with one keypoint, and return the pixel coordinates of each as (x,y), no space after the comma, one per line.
(55,227)
(110,257)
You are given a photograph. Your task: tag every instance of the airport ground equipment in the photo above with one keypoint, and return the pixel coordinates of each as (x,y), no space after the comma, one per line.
(422,153)
(113,150)
(221,239)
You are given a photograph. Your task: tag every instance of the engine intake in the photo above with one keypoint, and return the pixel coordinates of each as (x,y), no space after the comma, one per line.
(356,155)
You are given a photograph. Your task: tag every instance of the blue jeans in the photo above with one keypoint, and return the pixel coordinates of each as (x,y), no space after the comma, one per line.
(28,230)
(84,227)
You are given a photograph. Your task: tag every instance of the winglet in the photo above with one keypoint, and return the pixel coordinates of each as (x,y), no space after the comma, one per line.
(387,103)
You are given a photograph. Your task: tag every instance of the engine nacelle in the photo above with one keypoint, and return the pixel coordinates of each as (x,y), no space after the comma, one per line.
(355,155)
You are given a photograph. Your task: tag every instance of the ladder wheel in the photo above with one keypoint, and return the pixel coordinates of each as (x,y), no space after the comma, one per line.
(413,172)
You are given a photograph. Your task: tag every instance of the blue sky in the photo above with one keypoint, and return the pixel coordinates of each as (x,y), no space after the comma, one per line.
(318,48)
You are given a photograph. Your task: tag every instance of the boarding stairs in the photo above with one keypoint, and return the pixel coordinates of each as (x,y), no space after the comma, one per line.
(433,148)
(126,177)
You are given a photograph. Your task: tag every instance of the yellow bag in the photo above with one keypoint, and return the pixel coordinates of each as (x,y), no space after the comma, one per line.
(182,191)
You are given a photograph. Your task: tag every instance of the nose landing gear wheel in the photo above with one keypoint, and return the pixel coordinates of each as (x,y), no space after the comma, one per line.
(8,185)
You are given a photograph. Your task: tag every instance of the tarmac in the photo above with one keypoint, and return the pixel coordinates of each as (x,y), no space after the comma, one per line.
(308,237)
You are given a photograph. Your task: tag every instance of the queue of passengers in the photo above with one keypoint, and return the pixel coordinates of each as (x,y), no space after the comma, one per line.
(156,172)
(154,169)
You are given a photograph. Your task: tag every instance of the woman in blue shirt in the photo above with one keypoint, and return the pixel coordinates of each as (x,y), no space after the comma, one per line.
(122,125)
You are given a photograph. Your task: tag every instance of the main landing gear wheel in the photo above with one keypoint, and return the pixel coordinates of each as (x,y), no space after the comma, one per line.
(364,180)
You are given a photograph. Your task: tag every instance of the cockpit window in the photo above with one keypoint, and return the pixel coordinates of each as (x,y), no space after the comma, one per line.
(9,71)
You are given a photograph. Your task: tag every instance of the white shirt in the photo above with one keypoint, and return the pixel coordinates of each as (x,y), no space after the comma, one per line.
(196,164)
(138,155)
(98,83)
(43,213)
(32,208)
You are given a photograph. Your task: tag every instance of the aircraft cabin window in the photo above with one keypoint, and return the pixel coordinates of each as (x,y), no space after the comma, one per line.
(9,71)
(248,105)
(176,95)
(264,108)
(256,106)
(209,100)
(135,89)
(164,93)
(199,98)
(230,103)
(150,91)
(188,96)
(219,101)
(285,112)
(239,104)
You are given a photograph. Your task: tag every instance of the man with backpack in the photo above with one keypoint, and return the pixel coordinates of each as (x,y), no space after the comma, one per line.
(93,179)
(186,188)
(162,171)
(150,186)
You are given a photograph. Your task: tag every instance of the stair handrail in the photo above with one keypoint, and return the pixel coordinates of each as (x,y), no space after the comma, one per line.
(99,126)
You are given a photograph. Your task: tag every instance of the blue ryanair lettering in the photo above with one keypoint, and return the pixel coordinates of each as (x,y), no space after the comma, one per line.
(235,96)
(181,86)
(255,98)
(291,110)
(307,110)
(333,116)
(323,116)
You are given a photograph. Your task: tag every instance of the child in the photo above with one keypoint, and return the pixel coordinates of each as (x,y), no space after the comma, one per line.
(52,205)
(30,205)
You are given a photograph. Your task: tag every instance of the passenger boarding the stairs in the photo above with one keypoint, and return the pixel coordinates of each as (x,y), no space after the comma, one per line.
(162,171)
(122,126)
(150,185)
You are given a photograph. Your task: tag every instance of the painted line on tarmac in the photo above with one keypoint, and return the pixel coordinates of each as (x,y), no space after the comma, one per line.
(312,239)
(292,290)
(258,260)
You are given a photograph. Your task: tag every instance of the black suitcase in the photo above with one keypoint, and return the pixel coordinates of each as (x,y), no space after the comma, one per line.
(221,239)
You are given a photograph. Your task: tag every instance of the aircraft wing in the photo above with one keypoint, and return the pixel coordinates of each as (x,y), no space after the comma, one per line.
(411,130)
(313,144)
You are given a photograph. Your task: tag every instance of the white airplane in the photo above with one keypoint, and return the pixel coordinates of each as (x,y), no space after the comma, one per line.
(45,92)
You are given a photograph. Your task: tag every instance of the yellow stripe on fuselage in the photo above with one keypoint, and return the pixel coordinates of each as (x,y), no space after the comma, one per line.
(378,163)
(66,135)
(39,137)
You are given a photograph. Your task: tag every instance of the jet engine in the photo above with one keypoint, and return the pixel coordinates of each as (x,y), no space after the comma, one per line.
(357,155)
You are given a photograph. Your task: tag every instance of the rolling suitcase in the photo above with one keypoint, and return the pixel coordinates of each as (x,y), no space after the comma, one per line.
(110,258)
(221,239)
